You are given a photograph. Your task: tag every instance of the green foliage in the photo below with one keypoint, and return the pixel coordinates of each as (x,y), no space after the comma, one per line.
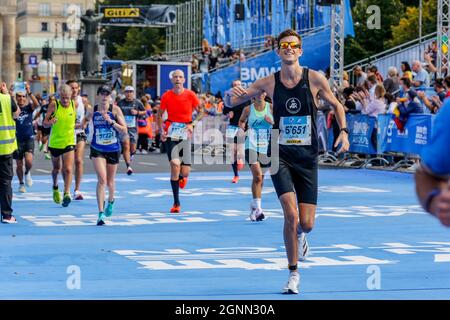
(407,28)
(373,40)
(399,24)
(140,43)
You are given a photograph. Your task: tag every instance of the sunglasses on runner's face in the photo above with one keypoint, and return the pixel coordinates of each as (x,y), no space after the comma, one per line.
(292,45)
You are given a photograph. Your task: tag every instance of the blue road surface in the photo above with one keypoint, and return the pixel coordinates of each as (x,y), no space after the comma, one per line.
(371,240)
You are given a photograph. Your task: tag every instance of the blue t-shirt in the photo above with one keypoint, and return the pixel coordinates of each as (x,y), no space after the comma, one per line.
(24,124)
(436,154)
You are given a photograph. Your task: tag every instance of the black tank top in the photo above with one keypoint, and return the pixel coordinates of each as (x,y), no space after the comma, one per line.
(296,105)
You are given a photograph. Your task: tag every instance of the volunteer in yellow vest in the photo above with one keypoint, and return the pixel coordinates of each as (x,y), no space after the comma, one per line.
(8,144)
(61,117)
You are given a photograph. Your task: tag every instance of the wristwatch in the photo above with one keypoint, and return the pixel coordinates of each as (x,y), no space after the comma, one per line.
(345,130)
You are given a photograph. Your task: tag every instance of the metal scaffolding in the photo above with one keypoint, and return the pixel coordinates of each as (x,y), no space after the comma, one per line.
(185,37)
(443,33)
(337,45)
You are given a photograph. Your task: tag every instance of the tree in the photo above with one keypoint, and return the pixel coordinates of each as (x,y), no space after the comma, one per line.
(140,43)
(373,40)
(407,28)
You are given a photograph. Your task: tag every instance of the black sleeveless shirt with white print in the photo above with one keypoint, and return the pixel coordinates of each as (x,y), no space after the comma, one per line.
(295,114)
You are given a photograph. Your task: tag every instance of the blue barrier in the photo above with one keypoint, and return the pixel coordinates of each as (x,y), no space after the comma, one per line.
(417,132)
(360,129)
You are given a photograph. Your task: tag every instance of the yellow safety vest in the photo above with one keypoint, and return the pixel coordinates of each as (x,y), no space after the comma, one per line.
(8,143)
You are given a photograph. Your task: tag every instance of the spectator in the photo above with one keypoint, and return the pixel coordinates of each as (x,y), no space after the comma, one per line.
(392,83)
(422,79)
(374,71)
(408,107)
(228,51)
(429,64)
(436,101)
(391,103)
(447,86)
(406,69)
(377,105)
(345,80)
(214,57)
(206,49)
(195,64)
(372,83)
(360,75)
(349,101)
(405,86)
(358,96)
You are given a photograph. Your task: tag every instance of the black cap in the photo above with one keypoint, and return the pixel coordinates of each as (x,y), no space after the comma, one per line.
(104,88)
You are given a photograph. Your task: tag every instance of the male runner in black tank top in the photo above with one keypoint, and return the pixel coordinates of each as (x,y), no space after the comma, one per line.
(295,91)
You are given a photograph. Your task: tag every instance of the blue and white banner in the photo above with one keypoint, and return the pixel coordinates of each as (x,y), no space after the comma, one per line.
(316,55)
(416,134)
(360,133)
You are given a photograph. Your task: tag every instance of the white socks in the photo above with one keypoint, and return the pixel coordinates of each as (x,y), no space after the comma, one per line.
(256,203)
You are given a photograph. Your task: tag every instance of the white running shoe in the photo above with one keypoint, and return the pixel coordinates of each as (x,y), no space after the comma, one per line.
(293,283)
(259,216)
(22,188)
(28,179)
(253,212)
(144,151)
(303,247)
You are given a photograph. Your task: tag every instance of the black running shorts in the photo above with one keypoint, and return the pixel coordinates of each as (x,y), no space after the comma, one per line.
(22,147)
(293,177)
(252,157)
(111,157)
(59,152)
(175,150)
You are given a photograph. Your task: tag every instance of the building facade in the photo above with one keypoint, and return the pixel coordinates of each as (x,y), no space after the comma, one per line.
(38,24)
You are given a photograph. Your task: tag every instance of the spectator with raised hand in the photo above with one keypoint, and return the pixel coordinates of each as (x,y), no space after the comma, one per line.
(377,105)
(349,101)
(434,102)
(430,64)
(422,79)
(392,83)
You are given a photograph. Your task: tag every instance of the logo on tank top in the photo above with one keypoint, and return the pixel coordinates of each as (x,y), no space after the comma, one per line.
(293,105)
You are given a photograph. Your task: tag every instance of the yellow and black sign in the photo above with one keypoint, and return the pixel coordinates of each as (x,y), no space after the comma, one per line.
(151,15)
(122,12)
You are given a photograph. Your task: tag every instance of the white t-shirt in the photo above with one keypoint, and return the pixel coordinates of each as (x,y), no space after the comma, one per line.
(80,113)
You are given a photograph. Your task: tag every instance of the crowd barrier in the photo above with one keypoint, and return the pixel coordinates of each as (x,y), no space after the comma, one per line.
(378,139)
(371,139)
